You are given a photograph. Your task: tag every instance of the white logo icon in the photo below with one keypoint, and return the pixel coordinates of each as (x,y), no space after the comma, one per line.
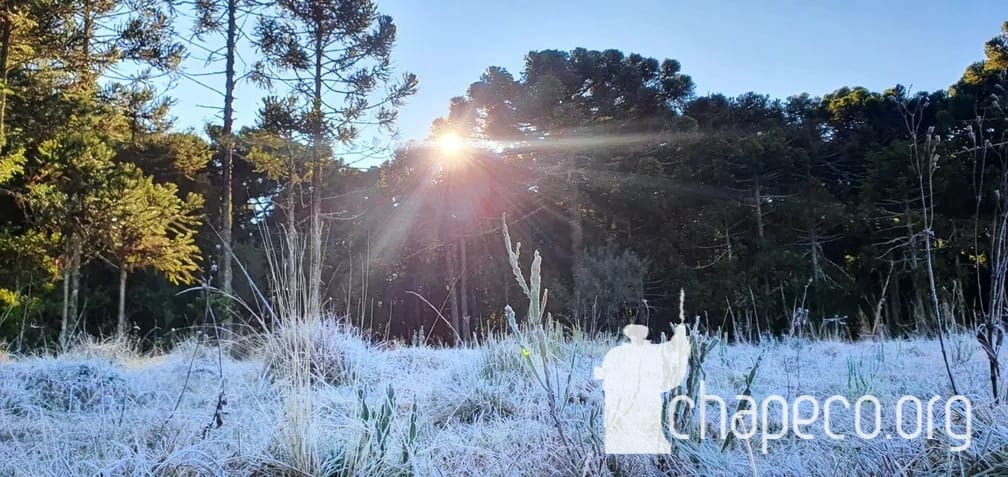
(634,375)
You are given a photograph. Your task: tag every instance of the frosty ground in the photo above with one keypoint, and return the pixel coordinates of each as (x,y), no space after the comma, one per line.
(396,409)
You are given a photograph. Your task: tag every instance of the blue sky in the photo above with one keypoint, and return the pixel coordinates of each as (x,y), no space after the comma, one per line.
(774,47)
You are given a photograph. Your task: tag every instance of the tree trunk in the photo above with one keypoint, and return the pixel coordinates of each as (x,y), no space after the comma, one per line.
(292,266)
(75,266)
(121,327)
(728,246)
(758,198)
(5,39)
(453,301)
(911,233)
(817,271)
(315,224)
(464,291)
(289,239)
(315,247)
(228,207)
(86,45)
(877,328)
(417,308)
(65,331)
(895,305)
(574,223)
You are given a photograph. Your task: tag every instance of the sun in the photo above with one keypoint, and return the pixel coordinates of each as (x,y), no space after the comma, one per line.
(450,144)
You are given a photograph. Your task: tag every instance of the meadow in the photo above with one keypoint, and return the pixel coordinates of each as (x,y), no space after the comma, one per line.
(412,409)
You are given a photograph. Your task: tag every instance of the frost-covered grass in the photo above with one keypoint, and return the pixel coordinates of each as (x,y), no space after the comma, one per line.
(402,410)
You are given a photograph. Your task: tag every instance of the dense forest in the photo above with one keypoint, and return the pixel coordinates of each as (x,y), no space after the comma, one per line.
(856,213)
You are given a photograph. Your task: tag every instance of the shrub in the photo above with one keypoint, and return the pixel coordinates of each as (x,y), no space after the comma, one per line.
(608,282)
(76,387)
(503,358)
(469,399)
(325,349)
(117,350)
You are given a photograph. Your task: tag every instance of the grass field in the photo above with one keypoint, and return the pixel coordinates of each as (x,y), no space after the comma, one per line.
(393,409)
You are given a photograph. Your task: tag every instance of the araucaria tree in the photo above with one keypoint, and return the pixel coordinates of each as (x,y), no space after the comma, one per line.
(149,225)
(336,55)
(66,198)
(221,17)
(67,130)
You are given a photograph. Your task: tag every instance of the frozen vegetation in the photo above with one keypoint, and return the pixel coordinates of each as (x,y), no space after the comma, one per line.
(396,409)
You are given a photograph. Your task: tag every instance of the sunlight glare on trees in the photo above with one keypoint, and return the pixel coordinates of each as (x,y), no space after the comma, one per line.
(450,144)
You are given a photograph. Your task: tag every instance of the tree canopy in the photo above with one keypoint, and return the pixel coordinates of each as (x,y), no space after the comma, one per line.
(846,212)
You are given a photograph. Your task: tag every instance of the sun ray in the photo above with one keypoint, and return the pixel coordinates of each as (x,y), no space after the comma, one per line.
(450,144)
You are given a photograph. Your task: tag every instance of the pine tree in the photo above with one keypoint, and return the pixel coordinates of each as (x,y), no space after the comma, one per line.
(64,198)
(339,55)
(149,226)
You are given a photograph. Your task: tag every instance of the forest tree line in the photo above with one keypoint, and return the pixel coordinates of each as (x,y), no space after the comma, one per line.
(857,212)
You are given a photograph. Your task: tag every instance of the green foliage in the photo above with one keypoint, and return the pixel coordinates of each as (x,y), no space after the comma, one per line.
(351,43)
(701,344)
(756,206)
(274,155)
(27,252)
(11,165)
(371,452)
(149,225)
(503,359)
(860,377)
(743,405)
(69,195)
